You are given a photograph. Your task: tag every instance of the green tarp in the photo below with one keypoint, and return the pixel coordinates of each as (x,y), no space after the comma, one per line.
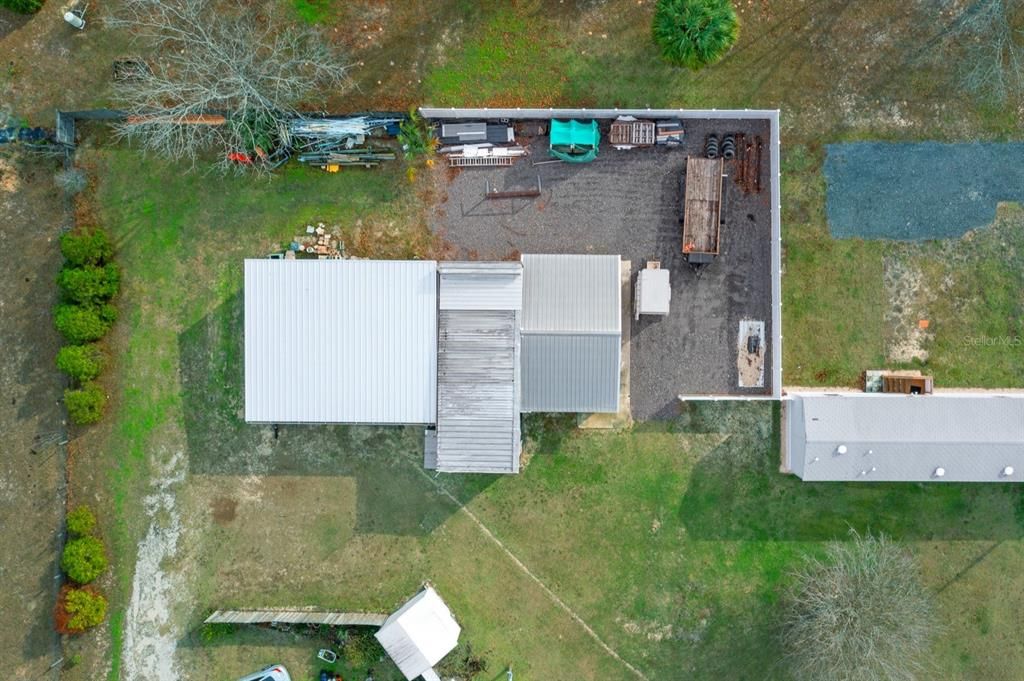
(574,141)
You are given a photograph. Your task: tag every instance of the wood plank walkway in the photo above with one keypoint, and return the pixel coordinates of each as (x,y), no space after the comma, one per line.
(297,616)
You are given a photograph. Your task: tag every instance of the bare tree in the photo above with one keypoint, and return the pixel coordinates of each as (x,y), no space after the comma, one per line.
(993,49)
(861,614)
(222,79)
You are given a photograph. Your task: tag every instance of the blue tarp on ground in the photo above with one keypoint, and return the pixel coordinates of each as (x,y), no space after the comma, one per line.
(914,191)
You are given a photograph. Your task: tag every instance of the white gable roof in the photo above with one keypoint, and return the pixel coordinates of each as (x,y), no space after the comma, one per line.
(419,634)
(340,341)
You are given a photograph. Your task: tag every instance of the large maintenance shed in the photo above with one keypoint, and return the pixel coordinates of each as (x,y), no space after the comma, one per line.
(341,341)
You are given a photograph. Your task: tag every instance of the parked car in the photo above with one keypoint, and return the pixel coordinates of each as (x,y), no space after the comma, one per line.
(274,672)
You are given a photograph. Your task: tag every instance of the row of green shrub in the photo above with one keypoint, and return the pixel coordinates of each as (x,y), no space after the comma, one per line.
(88,282)
(84,559)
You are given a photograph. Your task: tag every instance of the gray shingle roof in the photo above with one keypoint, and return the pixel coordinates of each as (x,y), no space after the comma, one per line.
(972,437)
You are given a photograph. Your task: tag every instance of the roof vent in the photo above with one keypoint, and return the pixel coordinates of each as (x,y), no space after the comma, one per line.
(1008,471)
(939,472)
(841,449)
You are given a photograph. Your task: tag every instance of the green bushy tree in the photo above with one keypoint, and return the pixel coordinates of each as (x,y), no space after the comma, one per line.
(86,404)
(81,362)
(83,559)
(695,33)
(89,284)
(86,247)
(22,6)
(81,522)
(85,608)
(83,324)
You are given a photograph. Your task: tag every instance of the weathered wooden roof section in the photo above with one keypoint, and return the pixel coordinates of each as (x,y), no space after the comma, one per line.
(702,205)
(297,616)
(478,368)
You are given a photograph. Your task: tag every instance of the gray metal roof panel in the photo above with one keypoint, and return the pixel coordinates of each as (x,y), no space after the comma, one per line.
(572,293)
(570,372)
(478,391)
(973,437)
(340,341)
(481,286)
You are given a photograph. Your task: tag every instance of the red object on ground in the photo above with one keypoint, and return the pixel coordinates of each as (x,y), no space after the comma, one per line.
(240,157)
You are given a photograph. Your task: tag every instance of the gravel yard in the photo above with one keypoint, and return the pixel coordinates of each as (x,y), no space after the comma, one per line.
(628,203)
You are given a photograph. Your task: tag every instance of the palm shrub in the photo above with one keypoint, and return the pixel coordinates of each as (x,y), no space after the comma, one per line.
(83,609)
(81,522)
(86,404)
(859,614)
(81,362)
(83,559)
(84,324)
(86,247)
(695,33)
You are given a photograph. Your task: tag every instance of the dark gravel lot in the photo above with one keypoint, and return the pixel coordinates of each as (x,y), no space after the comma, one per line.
(627,203)
(912,191)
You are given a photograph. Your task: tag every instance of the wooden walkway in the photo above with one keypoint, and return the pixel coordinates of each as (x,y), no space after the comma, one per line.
(297,616)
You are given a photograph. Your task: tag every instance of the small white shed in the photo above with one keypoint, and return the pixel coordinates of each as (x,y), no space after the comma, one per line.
(419,634)
(653,291)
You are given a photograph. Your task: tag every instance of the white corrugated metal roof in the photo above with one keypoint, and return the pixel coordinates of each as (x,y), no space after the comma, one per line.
(972,437)
(419,634)
(571,293)
(481,285)
(340,341)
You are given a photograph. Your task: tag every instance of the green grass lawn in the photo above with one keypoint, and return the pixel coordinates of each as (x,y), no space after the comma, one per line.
(673,541)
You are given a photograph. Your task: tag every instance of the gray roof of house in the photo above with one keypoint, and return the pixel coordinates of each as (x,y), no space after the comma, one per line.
(973,437)
(340,341)
(478,368)
(571,333)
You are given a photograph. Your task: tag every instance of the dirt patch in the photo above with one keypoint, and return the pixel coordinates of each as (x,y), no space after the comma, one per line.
(223,510)
(32,418)
(908,306)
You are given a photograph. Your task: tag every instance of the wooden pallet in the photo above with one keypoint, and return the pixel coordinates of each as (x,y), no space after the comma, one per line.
(637,133)
(479,161)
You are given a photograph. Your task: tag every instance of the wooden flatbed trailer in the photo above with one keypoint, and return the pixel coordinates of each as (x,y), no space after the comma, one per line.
(702,208)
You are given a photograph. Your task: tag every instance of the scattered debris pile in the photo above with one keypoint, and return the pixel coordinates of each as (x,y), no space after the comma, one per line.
(318,242)
(331,143)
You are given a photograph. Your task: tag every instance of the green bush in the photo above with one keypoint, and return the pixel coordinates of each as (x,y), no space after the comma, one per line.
(84,324)
(361,649)
(81,362)
(85,608)
(85,405)
(83,559)
(89,284)
(695,33)
(211,632)
(86,247)
(23,6)
(81,522)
